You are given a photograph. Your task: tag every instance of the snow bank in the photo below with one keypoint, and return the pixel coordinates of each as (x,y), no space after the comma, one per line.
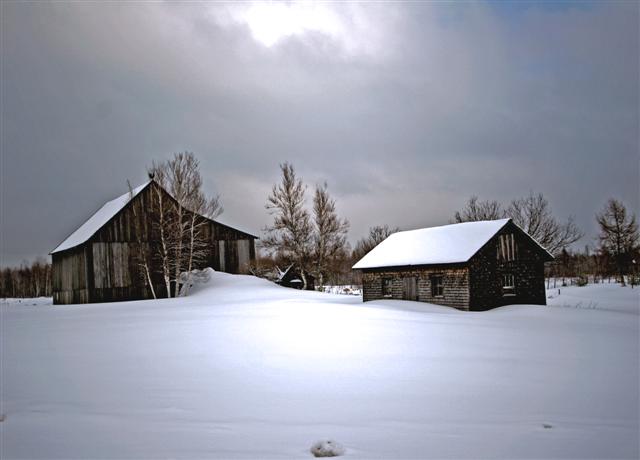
(242,368)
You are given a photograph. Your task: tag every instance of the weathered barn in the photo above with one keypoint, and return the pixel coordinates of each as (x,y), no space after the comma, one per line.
(100,261)
(470,266)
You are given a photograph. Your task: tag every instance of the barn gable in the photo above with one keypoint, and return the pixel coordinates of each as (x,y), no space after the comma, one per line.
(447,244)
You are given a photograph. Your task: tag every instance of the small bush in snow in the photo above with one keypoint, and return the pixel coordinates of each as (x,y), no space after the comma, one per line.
(326,448)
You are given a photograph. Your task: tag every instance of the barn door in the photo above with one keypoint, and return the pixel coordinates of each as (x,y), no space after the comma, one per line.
(410,288)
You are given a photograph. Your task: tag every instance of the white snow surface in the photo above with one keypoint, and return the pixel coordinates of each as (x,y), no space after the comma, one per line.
(98,219)
(435,245)
(243,368)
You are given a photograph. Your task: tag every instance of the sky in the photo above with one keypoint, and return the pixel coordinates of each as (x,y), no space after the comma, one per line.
(405,109)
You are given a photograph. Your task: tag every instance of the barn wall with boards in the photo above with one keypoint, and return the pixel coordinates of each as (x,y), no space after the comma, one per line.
(108,265)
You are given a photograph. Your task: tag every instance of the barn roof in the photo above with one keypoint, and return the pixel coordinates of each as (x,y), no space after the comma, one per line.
(103,215)
(455,243)
(98,219)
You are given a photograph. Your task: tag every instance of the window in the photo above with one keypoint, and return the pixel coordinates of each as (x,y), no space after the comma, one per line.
(508,285)
(507,247)
(437,287)
(387,287)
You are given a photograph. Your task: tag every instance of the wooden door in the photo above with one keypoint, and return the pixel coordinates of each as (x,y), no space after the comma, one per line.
(410,288)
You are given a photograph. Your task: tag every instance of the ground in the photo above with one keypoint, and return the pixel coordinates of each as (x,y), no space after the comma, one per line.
(245,369)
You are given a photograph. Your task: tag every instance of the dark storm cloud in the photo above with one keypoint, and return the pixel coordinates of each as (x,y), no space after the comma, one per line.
(405,109)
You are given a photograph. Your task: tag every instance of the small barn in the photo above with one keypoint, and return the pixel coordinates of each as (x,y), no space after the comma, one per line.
(469,266)
(100,261)
(291,277)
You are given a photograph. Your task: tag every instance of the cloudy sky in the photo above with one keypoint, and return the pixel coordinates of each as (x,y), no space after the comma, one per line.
(406,108)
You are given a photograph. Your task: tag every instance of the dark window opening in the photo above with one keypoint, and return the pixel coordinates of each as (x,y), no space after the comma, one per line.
(387,287)
(437,286)
(508,285)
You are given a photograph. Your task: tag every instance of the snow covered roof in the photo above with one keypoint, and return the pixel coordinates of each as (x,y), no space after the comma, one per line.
(447,244)
(95,222)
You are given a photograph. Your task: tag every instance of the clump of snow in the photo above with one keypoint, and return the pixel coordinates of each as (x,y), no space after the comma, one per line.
(326,448)
(194,278)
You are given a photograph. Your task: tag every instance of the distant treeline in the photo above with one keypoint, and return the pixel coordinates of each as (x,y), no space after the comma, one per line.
(28,280)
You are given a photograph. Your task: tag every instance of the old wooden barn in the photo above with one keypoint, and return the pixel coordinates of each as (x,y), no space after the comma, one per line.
(469,266)
(100,261)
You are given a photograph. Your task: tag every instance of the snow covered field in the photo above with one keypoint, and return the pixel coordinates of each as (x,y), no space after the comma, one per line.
(245,369)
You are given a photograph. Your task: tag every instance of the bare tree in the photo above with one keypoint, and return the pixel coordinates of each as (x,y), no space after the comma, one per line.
(143,248)
(330,232)
(291,230)
(29,280)
(182,220)
(163,223)
(533,215)
(376,236)
(479,210)
(618,234)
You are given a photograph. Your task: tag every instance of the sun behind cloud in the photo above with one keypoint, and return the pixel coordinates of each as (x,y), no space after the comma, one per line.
(271,22)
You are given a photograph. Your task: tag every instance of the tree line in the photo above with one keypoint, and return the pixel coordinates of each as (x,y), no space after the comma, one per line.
(314,238)
(28,280)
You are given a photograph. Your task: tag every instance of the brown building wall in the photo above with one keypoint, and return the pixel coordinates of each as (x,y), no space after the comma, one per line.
(487,271)
(455,284)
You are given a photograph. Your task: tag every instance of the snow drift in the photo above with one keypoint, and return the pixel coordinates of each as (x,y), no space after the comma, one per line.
(242,368)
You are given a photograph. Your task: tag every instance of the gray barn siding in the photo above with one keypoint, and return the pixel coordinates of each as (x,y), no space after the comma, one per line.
(69,277)
(455,284)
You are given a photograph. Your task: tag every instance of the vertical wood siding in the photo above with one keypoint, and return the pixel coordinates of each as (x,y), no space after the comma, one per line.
(105,268)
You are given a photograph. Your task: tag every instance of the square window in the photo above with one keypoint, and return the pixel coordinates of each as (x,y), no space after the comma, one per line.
(437,286)
(508,285)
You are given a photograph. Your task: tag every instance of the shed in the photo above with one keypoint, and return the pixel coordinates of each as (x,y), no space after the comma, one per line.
(468,266)
(292,278)
(99,261)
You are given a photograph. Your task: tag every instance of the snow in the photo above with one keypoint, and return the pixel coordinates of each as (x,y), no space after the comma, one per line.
(243,368)
(98,219)
(435,245)
(327,448)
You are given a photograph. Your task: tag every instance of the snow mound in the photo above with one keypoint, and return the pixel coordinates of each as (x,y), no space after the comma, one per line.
(326,448)
(194,278)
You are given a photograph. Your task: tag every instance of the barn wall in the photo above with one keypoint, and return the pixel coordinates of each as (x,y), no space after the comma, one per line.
(231,250)
(69,276)
(487,271)
(455,284)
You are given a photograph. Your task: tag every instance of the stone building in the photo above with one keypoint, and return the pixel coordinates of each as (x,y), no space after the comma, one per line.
(469,266)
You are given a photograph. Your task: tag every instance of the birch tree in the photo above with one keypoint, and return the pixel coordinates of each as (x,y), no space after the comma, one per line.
(184,218)
(143,248)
